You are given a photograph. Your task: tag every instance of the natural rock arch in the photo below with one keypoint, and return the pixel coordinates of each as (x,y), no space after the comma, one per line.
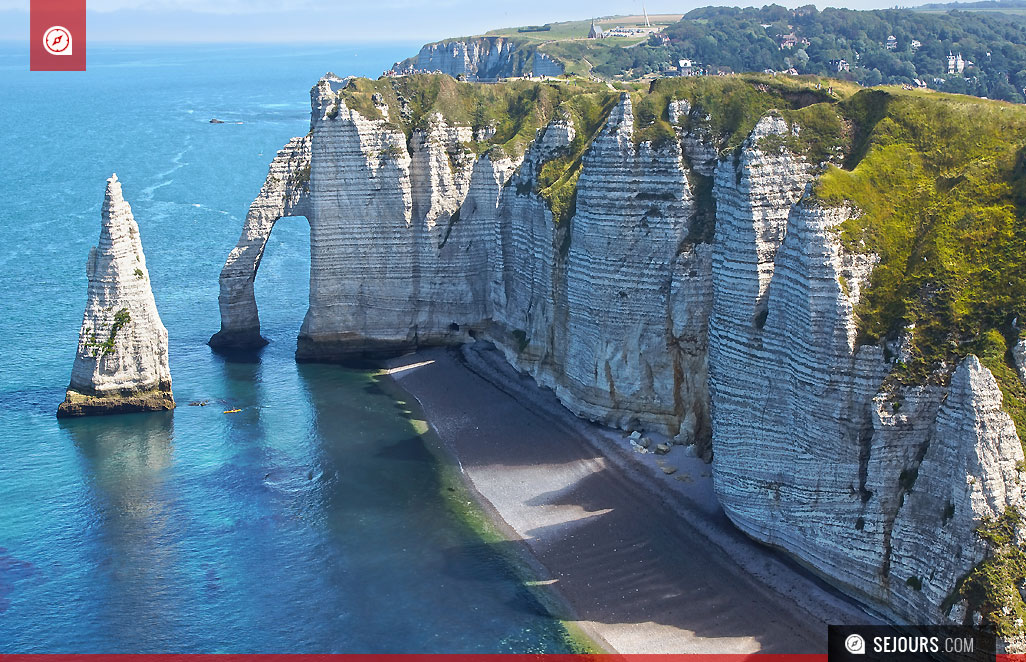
(285,192)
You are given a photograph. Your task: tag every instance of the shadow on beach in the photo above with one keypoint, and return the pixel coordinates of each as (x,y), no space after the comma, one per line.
(619,556)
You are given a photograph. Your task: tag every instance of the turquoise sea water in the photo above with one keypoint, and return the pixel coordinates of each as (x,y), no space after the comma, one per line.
(309,522)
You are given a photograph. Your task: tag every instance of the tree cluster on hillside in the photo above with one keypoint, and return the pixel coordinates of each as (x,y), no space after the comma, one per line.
(750,39)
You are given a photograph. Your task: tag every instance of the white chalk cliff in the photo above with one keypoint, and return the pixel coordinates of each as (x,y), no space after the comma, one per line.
(122,360)
(742,342)
(483,58)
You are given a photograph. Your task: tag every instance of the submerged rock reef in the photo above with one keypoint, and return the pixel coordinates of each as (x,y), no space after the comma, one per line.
(785,273)
(122,363)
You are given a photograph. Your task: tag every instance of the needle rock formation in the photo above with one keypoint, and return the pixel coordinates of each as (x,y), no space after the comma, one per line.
(122,361)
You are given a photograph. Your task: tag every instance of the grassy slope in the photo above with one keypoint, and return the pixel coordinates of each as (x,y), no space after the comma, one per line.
(939,181)
(564,30)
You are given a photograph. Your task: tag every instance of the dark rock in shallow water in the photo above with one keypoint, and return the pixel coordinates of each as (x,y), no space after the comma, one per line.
(237,339)
(82,404)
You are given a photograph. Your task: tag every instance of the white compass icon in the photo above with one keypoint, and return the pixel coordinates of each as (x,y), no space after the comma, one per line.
(57,40)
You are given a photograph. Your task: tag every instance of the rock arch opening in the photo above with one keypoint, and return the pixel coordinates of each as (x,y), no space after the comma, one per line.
(285,193)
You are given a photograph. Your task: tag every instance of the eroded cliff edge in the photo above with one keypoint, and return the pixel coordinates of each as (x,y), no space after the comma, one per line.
(122,363)
(786,275)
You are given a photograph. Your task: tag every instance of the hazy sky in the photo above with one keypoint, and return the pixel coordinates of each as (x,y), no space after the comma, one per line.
(338,20)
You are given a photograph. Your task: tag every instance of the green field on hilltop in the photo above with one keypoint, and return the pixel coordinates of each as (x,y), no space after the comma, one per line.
(565,30)
(579,29)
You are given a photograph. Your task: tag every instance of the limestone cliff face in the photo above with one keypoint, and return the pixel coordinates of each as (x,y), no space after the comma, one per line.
(484,58)
(545,65)
(591,302)
(878,487)
(703,296)
(122,361)
(414,242)
(392,211)
(971,471)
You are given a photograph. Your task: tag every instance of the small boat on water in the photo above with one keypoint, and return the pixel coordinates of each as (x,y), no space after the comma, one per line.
(232,411)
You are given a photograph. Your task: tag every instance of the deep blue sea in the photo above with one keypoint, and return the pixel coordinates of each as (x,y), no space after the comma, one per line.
(313,520)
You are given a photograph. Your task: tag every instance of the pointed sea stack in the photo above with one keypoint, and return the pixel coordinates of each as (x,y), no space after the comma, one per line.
(122,363)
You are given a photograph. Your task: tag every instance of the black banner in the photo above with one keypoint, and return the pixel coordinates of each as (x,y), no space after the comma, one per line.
(912,643)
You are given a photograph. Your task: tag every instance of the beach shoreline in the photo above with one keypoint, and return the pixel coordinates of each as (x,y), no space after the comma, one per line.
(633,547)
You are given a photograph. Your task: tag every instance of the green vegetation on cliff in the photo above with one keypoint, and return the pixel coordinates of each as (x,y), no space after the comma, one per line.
(557,181)
(993,353)
(515,109)
(991,588)
(121,318)
(730,106)
(938,181)
(507,117)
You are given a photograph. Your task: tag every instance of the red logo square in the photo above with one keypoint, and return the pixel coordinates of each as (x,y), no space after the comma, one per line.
(58,35)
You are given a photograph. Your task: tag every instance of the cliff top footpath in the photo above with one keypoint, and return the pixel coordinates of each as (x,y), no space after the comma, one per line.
(122,362)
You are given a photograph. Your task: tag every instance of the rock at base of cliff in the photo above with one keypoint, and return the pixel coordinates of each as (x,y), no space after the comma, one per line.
(243,339)
(77,403)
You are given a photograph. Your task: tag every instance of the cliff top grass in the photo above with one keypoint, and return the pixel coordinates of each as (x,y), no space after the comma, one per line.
(516,109)
(939,183)
(730,106)
(733,104)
